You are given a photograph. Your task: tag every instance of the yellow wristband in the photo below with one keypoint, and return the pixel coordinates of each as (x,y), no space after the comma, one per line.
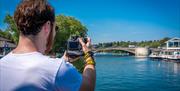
(90,61)
(87,55)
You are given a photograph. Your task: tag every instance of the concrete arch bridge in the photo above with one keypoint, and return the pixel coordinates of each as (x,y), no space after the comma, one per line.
(129,50)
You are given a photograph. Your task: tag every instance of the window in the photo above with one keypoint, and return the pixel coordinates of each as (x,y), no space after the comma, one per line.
(175,44)
(170,44)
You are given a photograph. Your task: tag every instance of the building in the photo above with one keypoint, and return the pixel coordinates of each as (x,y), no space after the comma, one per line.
(141,52)
(6,46)
(171,51)
(131,46)
(173,44)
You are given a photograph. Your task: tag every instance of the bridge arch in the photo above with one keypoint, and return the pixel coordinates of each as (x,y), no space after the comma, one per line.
(128,50)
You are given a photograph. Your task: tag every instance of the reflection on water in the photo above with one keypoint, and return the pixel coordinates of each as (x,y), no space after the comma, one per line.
(176,68)
(130,74)
(140,59)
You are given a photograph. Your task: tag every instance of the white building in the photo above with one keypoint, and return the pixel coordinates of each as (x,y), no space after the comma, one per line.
(141,52)
(6,46)
(173,43)
(131,46)
(171,51)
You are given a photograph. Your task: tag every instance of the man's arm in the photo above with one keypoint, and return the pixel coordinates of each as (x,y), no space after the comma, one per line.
(89,73)
(89,78)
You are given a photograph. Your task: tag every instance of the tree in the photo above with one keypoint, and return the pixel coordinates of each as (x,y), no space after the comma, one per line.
(162,41)
(5,34)
(67,26)
(12,30)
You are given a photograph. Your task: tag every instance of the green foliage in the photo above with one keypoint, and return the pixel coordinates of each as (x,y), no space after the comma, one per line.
(12,30)
(151,44)
(162,41)
(79,64)
(5,34)
(67,26)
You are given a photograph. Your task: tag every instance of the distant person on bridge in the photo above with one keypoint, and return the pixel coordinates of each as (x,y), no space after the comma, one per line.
(26,68)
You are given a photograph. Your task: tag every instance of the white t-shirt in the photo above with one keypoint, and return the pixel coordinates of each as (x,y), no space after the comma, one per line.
(36,72)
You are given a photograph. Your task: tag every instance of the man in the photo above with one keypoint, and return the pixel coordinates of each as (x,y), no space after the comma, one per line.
(26,68)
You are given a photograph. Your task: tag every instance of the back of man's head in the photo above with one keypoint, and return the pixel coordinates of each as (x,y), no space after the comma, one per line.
(30,16)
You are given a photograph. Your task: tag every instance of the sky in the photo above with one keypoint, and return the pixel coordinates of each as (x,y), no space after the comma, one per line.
(116,20)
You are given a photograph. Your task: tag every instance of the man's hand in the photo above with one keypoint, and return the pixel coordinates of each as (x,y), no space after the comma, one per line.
(67,58)
(86,46)
(89,72)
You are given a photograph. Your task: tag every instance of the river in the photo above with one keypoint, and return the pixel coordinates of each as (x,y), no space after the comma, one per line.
(116,73)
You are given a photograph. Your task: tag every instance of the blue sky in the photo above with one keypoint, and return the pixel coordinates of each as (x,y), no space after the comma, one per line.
(116,20)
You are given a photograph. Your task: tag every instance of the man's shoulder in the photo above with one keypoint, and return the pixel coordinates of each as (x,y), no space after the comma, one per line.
(28,57)
(32,61)
(67,77)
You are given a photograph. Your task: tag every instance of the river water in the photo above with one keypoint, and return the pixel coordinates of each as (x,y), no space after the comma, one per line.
(132,74)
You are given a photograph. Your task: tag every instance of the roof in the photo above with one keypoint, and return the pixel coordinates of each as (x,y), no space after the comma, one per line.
(12,45)
(4,39)
(7,41)
(176,39)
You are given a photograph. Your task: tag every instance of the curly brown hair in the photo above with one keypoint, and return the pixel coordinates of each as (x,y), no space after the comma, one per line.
(30,15)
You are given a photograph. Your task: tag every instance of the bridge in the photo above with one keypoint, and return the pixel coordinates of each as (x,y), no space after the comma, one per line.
(135,51)
(129,50)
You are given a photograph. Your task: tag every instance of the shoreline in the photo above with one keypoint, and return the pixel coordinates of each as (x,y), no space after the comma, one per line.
(153,58)
(165,59)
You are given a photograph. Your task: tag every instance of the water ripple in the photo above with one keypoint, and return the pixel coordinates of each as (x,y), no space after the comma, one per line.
(130,74)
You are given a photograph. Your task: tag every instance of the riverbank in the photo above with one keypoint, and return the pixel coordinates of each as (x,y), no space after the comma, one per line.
(127,55)
(166,60)
(111,54)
